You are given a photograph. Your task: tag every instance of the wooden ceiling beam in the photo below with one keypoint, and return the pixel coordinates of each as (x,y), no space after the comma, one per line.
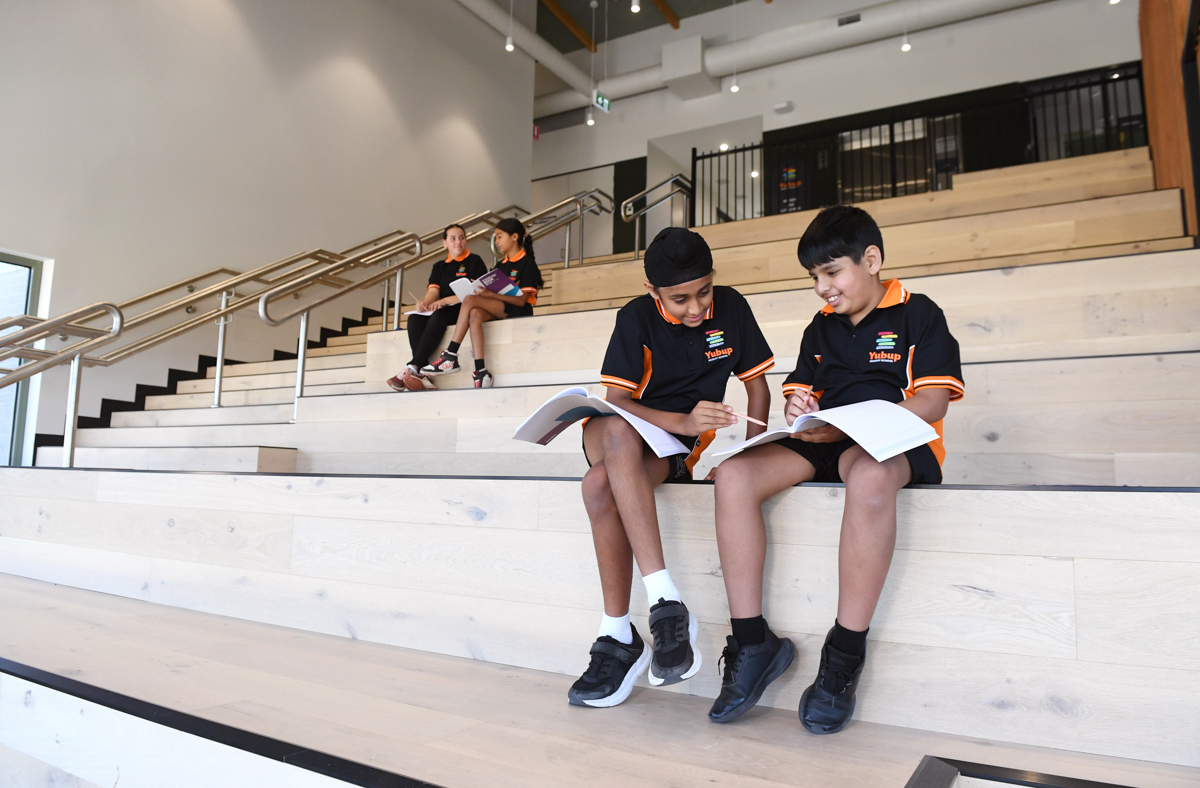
(569,22)
(667,13)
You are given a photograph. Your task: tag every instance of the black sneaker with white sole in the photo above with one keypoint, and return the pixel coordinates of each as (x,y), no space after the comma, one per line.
(446,364)
(482,379)
(676,656)
(614,669)
(748,671)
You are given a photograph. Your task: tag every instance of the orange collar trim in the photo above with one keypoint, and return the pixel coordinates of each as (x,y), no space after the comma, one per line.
(667,317)
(521,256)
(464,256)
(896,294)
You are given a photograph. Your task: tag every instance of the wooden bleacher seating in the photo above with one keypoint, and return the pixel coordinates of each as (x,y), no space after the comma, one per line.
(1043,345)
(1060,615)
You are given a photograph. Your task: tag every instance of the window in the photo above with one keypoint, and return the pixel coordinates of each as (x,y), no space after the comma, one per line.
(18,296)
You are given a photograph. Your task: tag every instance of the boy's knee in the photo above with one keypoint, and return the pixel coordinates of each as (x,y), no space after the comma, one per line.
(596,489)
(620,436)
(733,475)
(871,483)
(476,316)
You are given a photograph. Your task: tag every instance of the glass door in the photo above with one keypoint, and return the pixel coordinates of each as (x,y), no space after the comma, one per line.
(16,289)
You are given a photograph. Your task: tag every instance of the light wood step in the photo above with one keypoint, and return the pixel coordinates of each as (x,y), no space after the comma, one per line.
(1101,222)
(230,459)
(274,380)
(273,396)
(289,365)
(254,414)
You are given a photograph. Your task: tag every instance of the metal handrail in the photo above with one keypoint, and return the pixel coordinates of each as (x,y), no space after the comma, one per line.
(37,329)
(679,183)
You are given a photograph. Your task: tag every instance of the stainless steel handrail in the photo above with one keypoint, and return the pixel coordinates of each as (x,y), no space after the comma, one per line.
(19,345)
(679,183)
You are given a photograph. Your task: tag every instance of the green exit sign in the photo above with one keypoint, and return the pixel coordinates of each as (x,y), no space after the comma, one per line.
(599,102)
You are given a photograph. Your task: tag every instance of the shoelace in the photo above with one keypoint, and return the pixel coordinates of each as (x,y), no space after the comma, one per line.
(732,661)
(600,667)
(670,631)
(835,680)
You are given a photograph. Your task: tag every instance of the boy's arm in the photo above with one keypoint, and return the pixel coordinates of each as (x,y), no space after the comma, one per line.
(758,397)
(930,404)
(704,417)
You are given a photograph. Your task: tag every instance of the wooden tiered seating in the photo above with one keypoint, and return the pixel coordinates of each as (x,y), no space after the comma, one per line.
(1041,604)
(1045,347)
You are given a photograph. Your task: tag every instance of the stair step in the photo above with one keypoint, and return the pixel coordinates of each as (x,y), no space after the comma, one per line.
(274,380)
(253,414)
(289,365)
(271,396)
(236,459)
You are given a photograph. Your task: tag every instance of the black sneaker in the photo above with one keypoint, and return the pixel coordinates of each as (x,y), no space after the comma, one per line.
(676,656)
(610,676)
(828,704)
(445,364)
(482,379)
(748,671)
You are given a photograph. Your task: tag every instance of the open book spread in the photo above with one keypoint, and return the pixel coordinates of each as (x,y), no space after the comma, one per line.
(574,404)
(495,280)
(883,429)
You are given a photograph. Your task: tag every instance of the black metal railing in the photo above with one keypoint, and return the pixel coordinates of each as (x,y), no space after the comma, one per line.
(902,154)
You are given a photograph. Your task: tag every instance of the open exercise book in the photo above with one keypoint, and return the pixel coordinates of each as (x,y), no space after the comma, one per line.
(882,428)
(495,280)
(575,404)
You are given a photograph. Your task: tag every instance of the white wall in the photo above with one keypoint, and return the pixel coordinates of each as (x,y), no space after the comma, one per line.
(1029,43)
(145,141)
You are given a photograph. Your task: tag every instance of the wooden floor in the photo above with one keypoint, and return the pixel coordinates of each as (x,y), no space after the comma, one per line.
(457,722)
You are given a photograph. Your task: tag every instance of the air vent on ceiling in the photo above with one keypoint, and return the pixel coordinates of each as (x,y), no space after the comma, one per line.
(849,20)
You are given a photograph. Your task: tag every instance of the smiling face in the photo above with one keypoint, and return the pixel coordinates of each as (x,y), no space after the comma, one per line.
(687,302)
(455,242)
(851,289)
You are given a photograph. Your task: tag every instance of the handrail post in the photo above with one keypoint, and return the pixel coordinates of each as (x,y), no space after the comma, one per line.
(301,356)
(582,216)
(222,321)
(567,248)
(399,300)
(637,230)
(68,455)
(383,315)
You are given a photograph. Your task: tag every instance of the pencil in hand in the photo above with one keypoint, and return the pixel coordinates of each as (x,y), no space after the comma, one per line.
(750,419)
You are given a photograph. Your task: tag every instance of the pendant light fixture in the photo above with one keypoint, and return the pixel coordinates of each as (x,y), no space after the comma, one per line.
(733,87)
(508,44)
(635,6)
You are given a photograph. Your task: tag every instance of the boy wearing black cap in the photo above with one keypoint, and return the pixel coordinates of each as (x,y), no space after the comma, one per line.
(668,361)
(872,340)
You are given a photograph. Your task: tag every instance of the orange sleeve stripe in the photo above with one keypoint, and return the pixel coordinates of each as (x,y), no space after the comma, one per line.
(529,289)
(622,383)
(759,370)
(437,286)
(941,382)
(788,388)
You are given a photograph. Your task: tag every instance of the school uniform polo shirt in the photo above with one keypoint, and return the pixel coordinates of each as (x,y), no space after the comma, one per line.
(670,367)
(466,266)
(523,270)
(901,347)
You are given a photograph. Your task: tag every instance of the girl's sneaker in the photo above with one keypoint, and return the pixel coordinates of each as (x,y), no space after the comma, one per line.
(415,381)
(482,379)
(396,382)
(446,364)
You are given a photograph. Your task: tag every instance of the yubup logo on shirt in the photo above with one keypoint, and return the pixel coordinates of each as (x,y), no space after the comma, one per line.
(885,346)
(716,345)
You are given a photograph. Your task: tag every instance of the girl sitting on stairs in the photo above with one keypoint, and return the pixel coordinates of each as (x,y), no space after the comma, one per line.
(520,265)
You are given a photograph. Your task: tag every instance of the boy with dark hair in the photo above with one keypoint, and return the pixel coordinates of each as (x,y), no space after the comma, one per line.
(872,340)
(671,354)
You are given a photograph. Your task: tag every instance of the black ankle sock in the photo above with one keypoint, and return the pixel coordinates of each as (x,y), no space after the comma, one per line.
(479,367)
(453,348)
(848,641)
(749,631)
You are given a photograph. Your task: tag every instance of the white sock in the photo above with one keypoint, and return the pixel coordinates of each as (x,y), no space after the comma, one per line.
(659,586)
(616,628)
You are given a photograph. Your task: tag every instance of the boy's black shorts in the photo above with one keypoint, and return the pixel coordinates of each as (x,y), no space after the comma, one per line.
(824,457)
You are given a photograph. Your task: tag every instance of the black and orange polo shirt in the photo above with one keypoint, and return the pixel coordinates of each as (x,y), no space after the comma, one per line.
(670,367)
(901,347)
(466,266)
(524,271)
